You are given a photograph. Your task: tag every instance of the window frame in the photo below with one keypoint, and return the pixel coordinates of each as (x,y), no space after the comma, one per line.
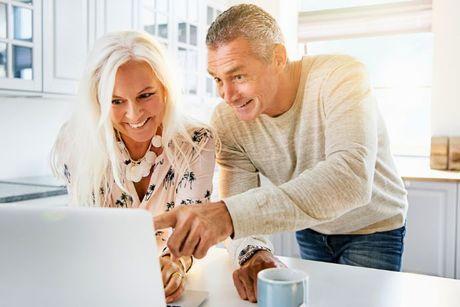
(9,83)
(403,18)
(201,100)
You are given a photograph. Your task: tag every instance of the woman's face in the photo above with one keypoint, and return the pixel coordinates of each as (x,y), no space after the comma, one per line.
(138,102)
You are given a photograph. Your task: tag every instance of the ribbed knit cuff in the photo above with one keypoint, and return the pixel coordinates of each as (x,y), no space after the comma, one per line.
(242,208)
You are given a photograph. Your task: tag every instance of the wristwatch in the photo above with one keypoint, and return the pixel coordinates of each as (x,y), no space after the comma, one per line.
(249,251)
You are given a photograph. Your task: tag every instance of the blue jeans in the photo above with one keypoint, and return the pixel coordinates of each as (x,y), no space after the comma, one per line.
(381,250)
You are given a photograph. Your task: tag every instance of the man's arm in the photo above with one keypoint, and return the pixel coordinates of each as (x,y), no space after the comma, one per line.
(335,186)
(237,174)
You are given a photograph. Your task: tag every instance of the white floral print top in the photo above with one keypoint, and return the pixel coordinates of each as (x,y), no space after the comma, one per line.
(168,188)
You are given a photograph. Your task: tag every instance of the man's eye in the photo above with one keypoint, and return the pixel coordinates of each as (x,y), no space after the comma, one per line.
(146,95)
(217,80)
(116,101)
(238,77)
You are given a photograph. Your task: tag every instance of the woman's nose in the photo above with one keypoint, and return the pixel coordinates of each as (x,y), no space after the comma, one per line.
(133,111)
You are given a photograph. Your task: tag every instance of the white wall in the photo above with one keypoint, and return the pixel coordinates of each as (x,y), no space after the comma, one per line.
(445,110)
(28,127)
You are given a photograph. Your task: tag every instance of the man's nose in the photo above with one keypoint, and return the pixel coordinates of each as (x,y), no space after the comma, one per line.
(228,92)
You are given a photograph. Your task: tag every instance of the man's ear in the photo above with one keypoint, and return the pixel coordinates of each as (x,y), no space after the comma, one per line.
(279,57)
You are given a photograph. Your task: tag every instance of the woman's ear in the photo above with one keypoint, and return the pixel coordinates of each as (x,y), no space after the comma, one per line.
(165,94)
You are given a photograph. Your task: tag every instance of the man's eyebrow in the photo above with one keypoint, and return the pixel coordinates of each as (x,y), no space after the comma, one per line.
(233,70)
(229,72)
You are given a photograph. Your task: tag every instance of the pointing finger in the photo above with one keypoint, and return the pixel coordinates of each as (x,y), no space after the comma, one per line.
(165,220)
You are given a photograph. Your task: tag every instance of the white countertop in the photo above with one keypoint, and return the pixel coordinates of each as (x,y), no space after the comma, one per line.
(418,169)
(332,285)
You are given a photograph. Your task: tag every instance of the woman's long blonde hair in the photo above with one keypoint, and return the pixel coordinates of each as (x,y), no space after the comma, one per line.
(87,142)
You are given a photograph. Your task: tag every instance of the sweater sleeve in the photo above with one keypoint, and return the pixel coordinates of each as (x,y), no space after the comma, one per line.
(237,174)
(336,185)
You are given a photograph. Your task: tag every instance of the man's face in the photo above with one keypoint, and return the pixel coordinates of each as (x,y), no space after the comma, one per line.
(244,81)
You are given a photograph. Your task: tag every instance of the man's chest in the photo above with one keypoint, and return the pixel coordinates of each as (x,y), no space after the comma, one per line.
(283,158)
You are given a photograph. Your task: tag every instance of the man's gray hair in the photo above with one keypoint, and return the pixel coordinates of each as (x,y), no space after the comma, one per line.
(250,22)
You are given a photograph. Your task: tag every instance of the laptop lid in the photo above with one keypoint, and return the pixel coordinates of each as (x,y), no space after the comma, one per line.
(78,257)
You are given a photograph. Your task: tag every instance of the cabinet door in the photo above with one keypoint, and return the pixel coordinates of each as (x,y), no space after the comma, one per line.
(430,238)
(117,16)
(457,263)
(65,44)
(285,244)
(70,28)
(120,15)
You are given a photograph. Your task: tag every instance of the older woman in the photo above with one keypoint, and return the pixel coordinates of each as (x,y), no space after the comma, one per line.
(128,146)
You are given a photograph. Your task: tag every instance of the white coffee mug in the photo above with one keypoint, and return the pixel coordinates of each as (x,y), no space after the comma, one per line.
(282,287)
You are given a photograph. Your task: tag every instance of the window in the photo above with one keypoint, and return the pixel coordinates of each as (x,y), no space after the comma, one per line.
(187,42)
(398,59)
(181,26)
(16,40)
(315,5)
(211,14)
(155,18)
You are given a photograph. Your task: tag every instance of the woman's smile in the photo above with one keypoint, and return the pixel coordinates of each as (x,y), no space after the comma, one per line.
(139,124)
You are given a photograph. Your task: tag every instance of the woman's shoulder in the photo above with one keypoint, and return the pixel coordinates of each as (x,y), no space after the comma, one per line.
(198,140)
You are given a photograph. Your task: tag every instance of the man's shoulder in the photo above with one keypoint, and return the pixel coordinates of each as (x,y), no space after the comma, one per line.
(223,114)
(326,63)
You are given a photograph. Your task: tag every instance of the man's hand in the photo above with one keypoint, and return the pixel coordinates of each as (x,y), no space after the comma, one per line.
(245,278)
(196,228)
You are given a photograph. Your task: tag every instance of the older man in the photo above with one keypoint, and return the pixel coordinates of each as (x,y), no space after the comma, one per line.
(311,127)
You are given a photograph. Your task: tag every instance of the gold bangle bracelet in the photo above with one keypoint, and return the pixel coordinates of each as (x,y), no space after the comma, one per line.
(182,262)
(178,273)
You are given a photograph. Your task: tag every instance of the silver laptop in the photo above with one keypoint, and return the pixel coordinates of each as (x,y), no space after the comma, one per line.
(83,257)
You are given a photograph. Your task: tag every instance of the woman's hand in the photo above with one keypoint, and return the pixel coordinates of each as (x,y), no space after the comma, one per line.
(173,276)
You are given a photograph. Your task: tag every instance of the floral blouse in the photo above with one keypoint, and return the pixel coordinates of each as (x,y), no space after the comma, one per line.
(168,188)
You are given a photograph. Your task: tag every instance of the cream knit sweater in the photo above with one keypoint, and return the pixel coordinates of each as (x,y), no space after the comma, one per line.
(328,158)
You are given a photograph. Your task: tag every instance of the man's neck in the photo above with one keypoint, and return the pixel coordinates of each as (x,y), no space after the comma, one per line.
(288,87)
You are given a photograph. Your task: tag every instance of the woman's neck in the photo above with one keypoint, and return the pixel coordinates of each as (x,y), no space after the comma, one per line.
(136,150)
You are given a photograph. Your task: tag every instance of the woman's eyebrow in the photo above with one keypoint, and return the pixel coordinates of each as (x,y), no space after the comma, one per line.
(147,88)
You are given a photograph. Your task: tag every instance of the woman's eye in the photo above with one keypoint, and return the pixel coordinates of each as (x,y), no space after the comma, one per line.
(116,101)
(146,95)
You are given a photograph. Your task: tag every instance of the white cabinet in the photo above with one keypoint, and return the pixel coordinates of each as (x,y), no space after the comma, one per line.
(431,228)
(432,242)
(285,244)
(457,252)
(69,30)
(119,15)
(65,44)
